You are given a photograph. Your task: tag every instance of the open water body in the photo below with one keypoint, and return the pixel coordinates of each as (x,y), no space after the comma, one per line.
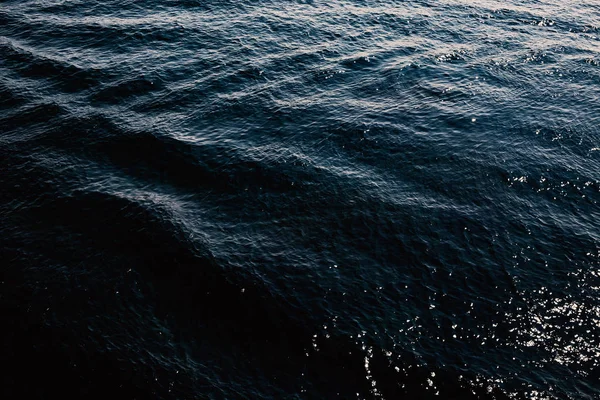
(283,199)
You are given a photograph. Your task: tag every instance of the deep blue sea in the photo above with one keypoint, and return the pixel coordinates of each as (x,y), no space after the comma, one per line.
(278,199)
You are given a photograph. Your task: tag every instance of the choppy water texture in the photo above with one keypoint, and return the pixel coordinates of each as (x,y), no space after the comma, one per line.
(300,199)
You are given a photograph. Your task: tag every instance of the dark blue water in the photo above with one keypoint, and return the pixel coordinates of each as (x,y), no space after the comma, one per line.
(283,199)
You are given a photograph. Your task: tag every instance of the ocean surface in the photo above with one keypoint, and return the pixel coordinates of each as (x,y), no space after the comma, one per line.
(277,199)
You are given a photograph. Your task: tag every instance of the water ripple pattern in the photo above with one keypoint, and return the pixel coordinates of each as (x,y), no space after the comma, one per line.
(300,199)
